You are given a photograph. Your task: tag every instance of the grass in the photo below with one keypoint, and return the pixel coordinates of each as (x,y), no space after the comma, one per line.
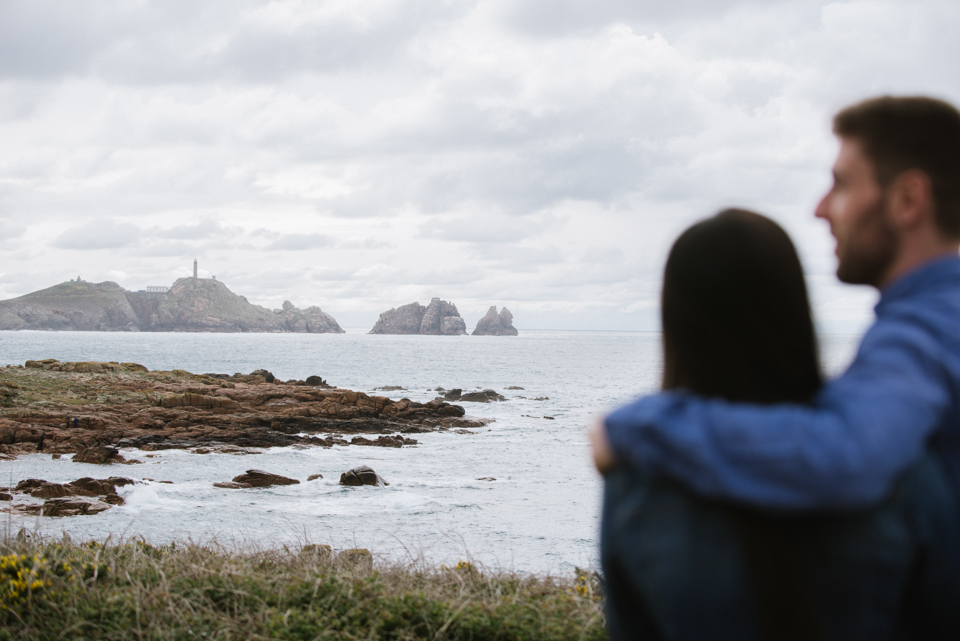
(61,590)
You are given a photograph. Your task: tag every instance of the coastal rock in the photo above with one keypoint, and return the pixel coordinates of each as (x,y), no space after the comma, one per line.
(267,376)
(56,490)
(5,497)
(259,478)
(311,320)
(101,487)
(442,318)
(357,558)
(61,411)
(316,381)
(362,475)
(8,391)
(314,477)
(99,455)
(29,485)
(190,305)
(73,506)
(384,441)
(486,396)
(437,318)
(493,324)
(400,320)
(71,305)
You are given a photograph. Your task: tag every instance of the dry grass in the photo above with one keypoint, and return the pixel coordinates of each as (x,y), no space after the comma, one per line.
(51,590)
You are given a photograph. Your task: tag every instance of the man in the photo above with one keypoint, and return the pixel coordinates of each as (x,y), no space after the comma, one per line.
(894,210)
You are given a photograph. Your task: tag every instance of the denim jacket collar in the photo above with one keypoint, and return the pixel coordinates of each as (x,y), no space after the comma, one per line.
(926,276)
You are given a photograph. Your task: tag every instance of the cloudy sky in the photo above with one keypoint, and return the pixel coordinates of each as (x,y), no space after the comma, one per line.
(363,154)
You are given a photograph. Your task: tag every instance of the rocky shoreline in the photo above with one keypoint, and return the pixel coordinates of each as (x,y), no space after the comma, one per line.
(65,408)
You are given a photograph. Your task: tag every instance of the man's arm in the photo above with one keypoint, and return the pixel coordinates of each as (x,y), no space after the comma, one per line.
(844,451)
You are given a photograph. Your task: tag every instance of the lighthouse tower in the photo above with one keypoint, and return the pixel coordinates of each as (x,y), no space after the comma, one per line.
(194,267)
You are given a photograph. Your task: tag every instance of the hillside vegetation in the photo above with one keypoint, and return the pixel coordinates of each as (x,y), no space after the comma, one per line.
(136,591)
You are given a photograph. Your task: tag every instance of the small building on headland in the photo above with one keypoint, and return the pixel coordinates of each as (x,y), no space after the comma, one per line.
(157,289)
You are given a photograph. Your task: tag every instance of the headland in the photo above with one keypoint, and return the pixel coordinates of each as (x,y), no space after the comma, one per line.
(190,305)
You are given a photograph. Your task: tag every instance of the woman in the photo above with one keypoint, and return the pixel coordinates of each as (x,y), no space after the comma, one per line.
(737,325)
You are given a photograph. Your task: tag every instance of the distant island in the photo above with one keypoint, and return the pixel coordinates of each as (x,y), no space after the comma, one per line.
(437,318)
(190,305)
(441,318)
(494,324)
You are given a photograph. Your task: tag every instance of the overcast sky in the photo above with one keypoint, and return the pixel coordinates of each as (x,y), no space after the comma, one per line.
(360,155)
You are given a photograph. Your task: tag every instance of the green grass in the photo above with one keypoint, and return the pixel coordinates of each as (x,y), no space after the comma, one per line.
(137,591)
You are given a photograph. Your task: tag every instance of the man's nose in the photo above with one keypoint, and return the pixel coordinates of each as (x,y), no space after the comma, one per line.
(823,208)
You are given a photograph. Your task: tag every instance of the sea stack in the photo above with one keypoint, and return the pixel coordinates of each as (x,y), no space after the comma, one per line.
(439,318)
(493,324)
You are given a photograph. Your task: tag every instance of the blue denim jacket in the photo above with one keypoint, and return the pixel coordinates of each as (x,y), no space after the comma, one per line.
(900,395)
(678,567)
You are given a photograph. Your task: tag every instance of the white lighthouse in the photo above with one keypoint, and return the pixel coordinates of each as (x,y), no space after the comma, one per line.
(194,267)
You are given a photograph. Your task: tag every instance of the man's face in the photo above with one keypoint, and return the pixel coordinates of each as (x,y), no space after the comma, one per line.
(856,210)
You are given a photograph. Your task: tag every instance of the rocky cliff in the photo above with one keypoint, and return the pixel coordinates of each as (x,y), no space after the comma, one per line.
(191,305)
(494,324)
(71,306)
(437,318)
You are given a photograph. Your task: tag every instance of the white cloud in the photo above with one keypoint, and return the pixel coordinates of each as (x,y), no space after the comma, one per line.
(99,234)
(537,153)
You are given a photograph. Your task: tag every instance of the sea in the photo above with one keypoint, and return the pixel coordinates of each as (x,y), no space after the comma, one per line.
(540,514)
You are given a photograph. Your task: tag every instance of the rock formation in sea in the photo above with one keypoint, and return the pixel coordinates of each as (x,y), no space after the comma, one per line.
(493,324)
(362,475)
(95,409)
(83,496)
(191,305)
(437,318)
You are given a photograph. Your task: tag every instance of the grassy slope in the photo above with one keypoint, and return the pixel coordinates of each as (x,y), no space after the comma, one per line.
(135,591)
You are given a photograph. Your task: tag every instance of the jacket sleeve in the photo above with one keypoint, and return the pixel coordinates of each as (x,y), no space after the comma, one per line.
(844,451)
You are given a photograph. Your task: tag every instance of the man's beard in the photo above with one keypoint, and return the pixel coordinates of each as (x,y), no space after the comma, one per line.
(870,249)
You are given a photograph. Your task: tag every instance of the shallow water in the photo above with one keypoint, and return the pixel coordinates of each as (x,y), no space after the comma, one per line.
(541,514)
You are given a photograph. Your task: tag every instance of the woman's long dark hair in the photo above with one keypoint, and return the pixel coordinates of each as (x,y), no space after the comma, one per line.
(737,325)
(736,318)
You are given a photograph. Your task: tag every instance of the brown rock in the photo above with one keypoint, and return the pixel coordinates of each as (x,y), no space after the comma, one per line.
(230,485)
(30,509)
(382,441)
(259,478)
(486,396)
(198,400)
(314,477)
(128,408)
(358,558)
(56,490)
(99,455)
(362,475)
(5,497)
(73,506)
(101,486)
(29,485)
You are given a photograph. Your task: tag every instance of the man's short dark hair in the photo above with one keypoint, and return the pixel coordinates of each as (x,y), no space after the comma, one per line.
(903,133)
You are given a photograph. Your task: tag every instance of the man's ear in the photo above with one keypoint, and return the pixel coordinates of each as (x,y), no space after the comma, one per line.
(910,200)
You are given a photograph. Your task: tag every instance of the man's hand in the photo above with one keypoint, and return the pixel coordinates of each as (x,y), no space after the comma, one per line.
(603,456)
